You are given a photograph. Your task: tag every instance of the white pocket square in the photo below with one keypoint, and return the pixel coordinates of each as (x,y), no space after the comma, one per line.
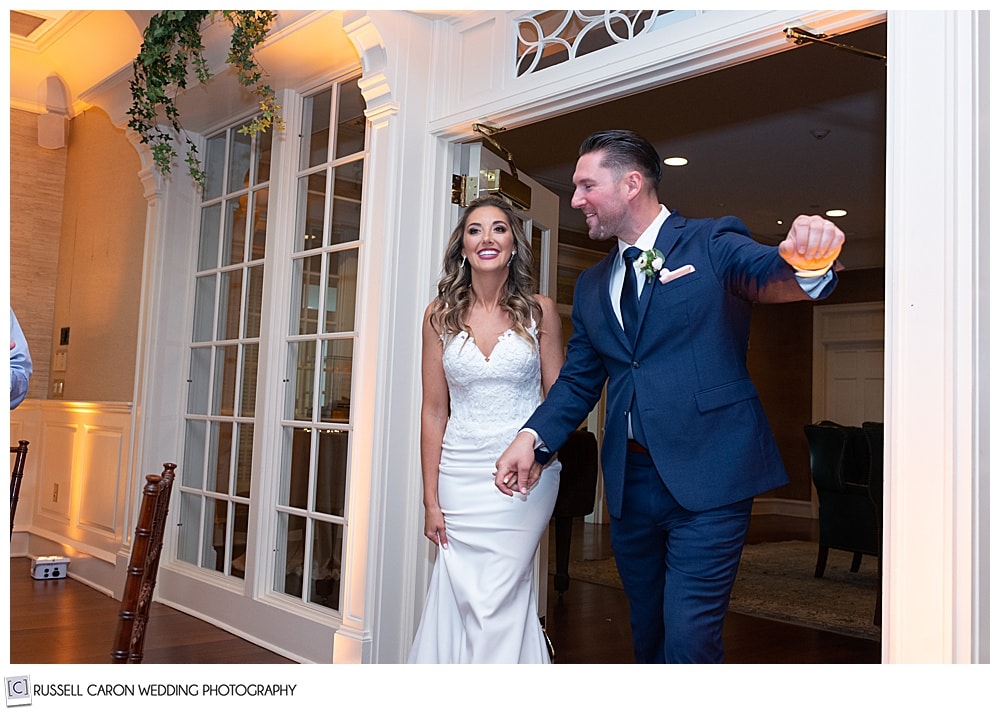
(667,276)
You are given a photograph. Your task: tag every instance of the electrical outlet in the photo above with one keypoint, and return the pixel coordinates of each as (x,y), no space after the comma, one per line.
(55,492)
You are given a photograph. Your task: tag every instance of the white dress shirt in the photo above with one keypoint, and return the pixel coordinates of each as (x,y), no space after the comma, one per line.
(646,241)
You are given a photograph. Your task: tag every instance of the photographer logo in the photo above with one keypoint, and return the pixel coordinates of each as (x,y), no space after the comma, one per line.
(18,691)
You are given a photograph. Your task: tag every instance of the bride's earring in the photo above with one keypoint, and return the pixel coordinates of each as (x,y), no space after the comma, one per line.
(462,265)
(512,255)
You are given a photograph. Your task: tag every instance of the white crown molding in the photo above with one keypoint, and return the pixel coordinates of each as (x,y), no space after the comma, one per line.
(57,24)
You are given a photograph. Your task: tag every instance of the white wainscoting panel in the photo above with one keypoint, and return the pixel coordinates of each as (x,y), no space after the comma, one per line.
(54,476)
(73,499)
(101,491)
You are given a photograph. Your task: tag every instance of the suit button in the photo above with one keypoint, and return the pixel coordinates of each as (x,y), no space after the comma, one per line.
(635,364)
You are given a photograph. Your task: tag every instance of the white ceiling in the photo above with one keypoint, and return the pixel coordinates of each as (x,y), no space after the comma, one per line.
(64,45)
(85,47)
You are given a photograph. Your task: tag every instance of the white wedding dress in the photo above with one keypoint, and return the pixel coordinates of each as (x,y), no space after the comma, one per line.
(481,605)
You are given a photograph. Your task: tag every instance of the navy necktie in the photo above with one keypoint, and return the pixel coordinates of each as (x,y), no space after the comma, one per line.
(630,319)
(630,294)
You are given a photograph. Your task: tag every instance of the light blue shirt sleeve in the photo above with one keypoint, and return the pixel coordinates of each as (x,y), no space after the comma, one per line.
(20,363)
(814,286)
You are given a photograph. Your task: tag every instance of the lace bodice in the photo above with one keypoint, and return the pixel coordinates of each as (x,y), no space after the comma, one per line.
(491,398)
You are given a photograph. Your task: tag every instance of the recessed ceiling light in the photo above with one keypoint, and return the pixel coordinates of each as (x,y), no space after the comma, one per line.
(675,161)
(836,213)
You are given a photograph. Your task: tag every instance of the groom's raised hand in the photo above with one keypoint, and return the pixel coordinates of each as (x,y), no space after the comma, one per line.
(516,469)
(813,243)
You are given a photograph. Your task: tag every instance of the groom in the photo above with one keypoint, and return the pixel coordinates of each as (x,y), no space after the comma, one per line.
(686,444)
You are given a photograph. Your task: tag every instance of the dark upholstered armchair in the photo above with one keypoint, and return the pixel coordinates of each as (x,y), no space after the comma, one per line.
(840,460)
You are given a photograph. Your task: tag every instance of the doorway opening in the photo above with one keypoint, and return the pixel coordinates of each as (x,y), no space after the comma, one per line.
(799,132)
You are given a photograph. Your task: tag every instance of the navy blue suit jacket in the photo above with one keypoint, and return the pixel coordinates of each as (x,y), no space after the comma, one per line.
(704,424)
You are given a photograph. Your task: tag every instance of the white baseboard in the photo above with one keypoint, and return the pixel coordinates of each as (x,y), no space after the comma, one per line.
(90,570)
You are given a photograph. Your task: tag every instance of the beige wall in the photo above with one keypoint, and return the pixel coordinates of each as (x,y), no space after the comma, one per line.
(37,176)
(100,262)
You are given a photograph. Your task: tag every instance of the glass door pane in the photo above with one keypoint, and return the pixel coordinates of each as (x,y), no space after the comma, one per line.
(316,432)
(222,377)
(227,388)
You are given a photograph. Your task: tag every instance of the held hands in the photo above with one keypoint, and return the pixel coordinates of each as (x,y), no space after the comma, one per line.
(812,245)
(516,469)
(511,483)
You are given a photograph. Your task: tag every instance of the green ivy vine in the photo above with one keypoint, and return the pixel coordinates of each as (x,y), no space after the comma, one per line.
(171,48)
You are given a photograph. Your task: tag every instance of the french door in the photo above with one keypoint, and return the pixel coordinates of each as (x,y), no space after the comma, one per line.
(272,527)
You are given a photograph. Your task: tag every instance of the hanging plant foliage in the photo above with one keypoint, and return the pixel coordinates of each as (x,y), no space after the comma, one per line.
(171,49)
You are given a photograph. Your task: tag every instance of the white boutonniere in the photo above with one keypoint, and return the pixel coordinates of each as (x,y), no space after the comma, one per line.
(650,263)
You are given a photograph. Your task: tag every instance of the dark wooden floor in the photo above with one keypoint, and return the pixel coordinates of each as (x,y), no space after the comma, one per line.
(67,622)
(589,625)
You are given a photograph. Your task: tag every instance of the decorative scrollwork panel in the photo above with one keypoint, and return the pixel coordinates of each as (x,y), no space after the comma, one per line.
(551,37)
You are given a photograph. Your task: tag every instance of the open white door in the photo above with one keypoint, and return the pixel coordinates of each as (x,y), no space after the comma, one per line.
(482,171)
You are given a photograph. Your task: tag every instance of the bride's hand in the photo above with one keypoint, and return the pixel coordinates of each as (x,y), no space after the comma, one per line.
(506,482)
(434,528)
(509,482)
(514,468)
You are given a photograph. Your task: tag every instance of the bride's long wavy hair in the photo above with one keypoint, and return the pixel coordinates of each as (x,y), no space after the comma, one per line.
(455,295)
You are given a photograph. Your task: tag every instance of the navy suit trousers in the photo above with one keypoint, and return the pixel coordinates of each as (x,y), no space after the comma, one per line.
(677,566)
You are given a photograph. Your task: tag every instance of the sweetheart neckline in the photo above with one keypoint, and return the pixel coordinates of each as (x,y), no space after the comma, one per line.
(470,338)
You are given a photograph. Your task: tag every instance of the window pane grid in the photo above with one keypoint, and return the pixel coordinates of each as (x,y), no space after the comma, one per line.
(320,387)
(332,249)
(308,516)
(222,381)
(317,515)
(328,217)
(311,449)
(230,268)
(320,348)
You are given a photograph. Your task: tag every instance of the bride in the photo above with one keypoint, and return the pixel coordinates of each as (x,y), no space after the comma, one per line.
(491,349)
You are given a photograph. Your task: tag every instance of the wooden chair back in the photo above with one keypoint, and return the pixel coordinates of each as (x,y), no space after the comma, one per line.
(144,561)
(21,453)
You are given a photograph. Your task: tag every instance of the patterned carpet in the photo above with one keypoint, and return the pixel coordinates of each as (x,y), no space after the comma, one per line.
(776,581)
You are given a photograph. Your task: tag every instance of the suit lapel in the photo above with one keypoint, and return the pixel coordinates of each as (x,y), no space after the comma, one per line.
(604,270)
(670,232)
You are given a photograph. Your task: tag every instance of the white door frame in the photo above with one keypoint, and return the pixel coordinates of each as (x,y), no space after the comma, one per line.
(936,585)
